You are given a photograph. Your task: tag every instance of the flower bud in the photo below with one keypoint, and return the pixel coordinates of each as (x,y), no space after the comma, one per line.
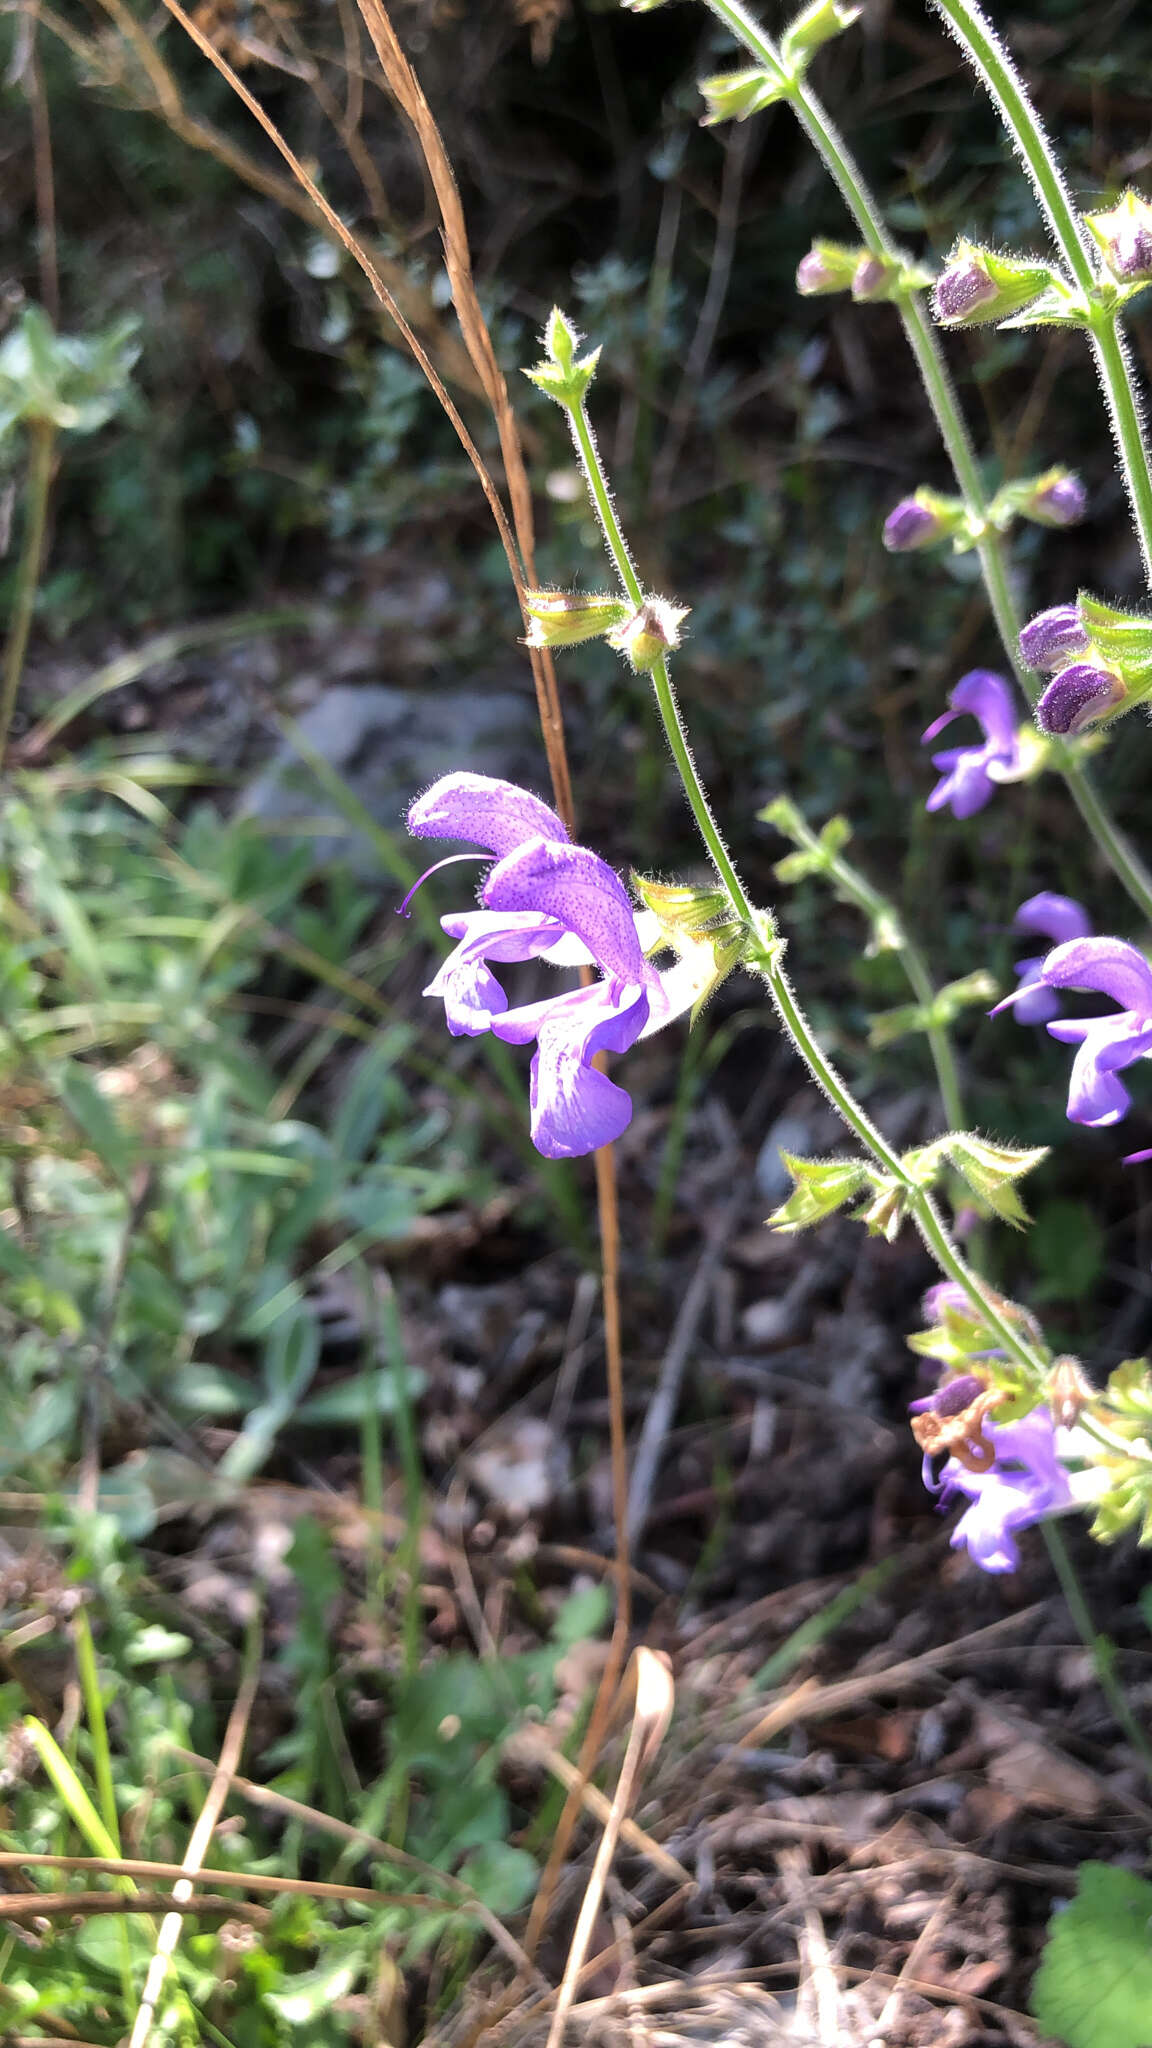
(1124,234)
(816,24)
(955,1395)
(874,277)
(1058,499)
(1077,696)
(1053,637)
(561,618)
(828,267)
(734,95)
(1068,1392)
(563,375)
(977,285)
(649,633)
(921,521)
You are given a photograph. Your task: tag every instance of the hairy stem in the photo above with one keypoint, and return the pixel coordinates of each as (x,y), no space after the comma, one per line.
(884,916)
(764,949)
(990,59)
(924,343)
(41,448)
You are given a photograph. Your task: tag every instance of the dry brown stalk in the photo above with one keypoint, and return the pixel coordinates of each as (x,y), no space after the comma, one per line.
(151,87)
(650,1677)
(242,1880)
(409,95)
(209,1815)
(531,1746)
(608,1212)
(24,1906)
(326,1823)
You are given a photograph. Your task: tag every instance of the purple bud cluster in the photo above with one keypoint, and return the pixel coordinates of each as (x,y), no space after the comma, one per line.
(1082,688)
(912,524)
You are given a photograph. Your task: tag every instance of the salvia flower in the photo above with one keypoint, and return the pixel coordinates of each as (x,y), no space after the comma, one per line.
(1054,638)
(828,267)
(964,289)
(968,775)
(944,1295)
(1025,1483)
(920,521)
(979,284)
(1077,696)
(1106,1044)
(1124,234)
(1058,918)
(1058,499)
(545,897)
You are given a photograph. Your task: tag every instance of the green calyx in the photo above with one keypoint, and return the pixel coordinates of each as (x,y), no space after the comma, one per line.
(814,26)
(735,95)
(561,618)
(69,382)
(945,1007)
(698,926)
(563,376)
(1123,640)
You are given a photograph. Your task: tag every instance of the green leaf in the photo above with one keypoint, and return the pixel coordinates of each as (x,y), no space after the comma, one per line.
(349,1401)
(502,1876)
(312,1993)
(92,1112)
(1094,1985)
(72,1793)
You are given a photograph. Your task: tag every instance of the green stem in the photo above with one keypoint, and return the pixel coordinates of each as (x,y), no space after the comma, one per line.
(924,343)
(987,54)
(1116,376)
(669,710)
(42,446)
(764,949)
(884,916)
(1099,1647)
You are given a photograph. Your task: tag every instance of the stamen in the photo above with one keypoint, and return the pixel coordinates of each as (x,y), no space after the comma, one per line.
(447,862)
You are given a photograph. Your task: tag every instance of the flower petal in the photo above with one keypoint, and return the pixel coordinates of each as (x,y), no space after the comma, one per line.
(575,886)
(472,996)
(1026,1483)
(1033,1003)
(1095,1096)
(967,787)
(575,1109)
(1058,917)
(1110,965)
(988,697)
(485,810)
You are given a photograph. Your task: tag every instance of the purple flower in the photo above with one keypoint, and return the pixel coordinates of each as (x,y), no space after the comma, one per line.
(1061,500)
(963,288)
(911,524)
(1108,1043)
(969,774)
(1077,695)
(944,1295)
(815,274)
(873,278)
(1053,637)
(1026,1483)
(542,894)
(1058,918)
